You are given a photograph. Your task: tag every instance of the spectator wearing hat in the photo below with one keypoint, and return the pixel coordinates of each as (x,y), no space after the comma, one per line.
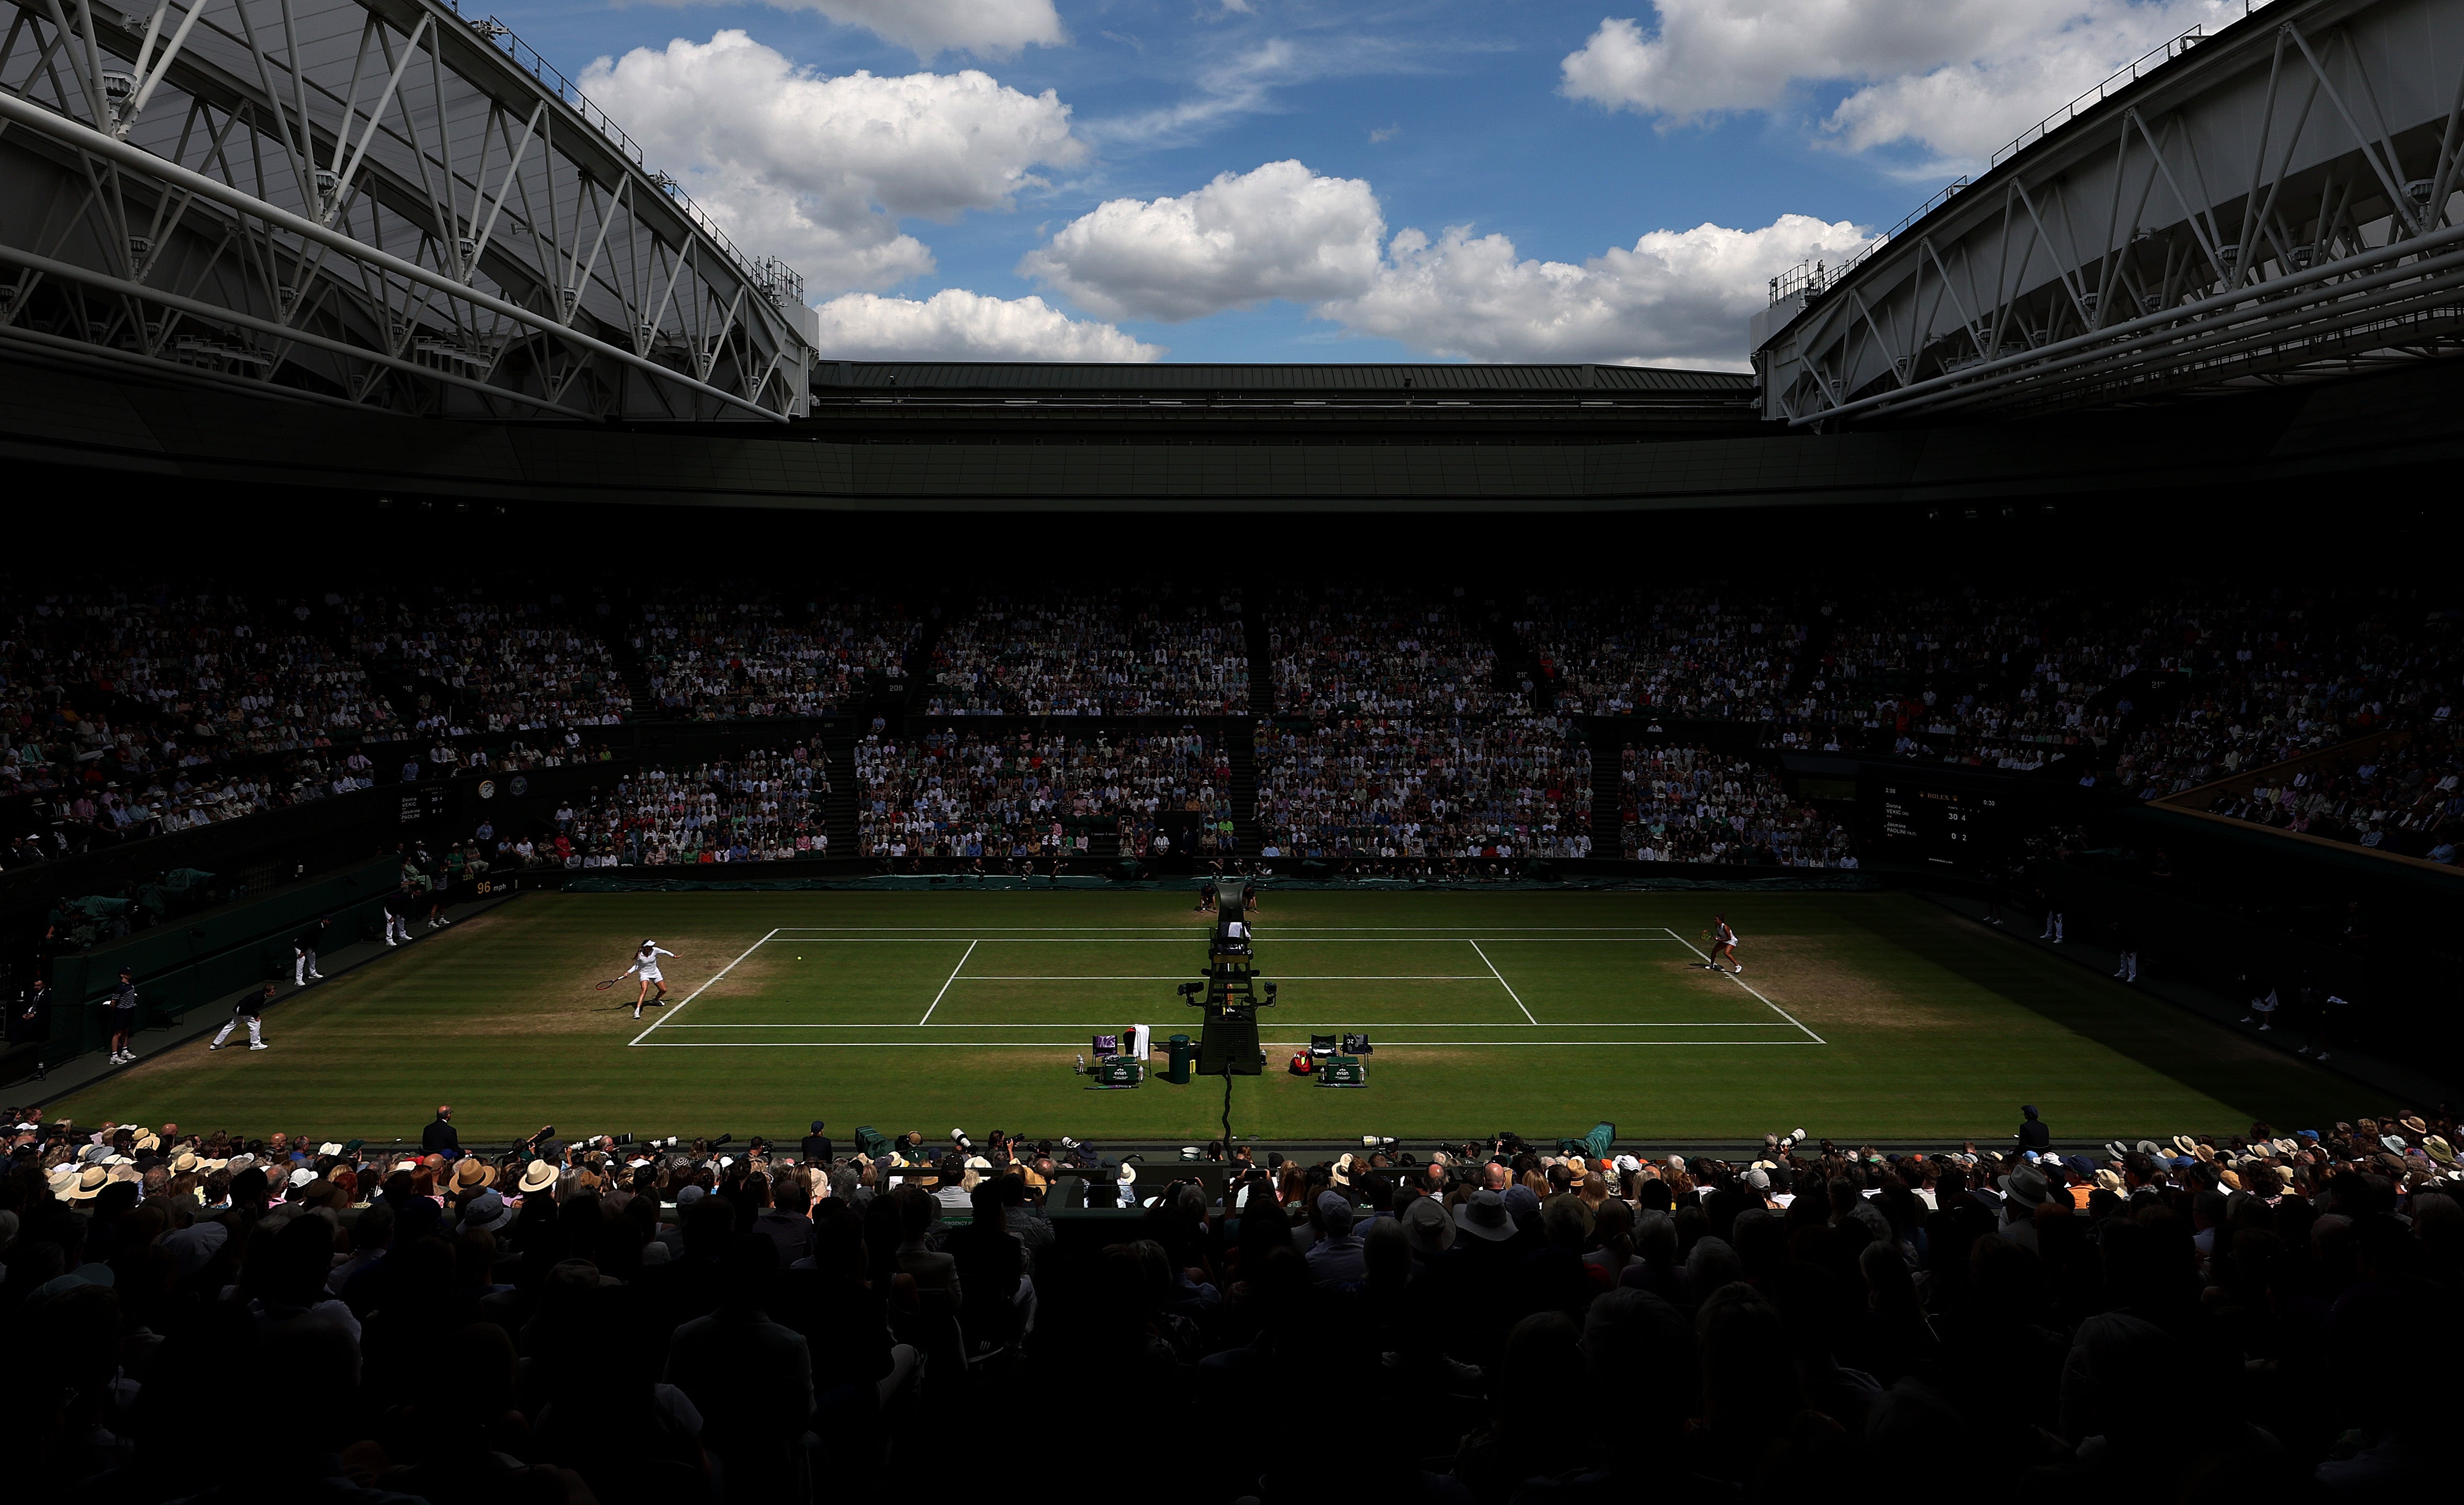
(471,1176)
(485,1212)
(2023,1192)
(537,1177)
(1427,1229)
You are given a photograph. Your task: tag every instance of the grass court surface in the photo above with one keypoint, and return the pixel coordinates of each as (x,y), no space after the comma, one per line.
(1859,1016)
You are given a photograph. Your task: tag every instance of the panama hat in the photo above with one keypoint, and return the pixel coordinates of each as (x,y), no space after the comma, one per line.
(185,1163)
(90,1183)
(65,1181)
(537,1177)
(472,1175)
(2412,1121)
(2186,1145)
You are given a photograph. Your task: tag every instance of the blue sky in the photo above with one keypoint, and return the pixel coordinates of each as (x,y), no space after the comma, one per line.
(1622,179)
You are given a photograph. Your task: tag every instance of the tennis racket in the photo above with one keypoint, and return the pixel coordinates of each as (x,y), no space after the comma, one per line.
(604,987)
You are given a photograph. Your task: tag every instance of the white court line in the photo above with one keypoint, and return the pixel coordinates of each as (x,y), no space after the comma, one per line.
(1648,932)
(1747,986)
(697,992)
(1175,977)
(1064,1045)
(954,977)
(1502,983)
(1426,1024)
(1271,938)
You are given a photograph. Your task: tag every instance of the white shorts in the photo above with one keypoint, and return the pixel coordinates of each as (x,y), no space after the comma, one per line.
(650,974)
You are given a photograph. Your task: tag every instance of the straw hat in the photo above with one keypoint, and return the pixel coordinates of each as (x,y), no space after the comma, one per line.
(537,1177)
(470,1174)
(185,1163)
(90,1183)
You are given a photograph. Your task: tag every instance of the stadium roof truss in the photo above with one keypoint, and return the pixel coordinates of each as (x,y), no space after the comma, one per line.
(2276,201)
(369,203)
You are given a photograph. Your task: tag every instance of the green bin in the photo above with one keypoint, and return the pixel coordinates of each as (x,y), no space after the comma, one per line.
(1179,1048)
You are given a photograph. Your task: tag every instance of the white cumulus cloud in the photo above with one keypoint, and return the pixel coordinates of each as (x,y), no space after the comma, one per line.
(929,27)
(954,324)
(819,169)
(1280,231)
(1678,297)
(1957,78)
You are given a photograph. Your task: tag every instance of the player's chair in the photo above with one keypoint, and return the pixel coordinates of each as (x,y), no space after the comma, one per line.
(1321,1045)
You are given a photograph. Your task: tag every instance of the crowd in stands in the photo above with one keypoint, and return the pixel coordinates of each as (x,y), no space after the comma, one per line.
(2398,794)
(500,665)
(2268,682)
(761,806)
(2171,689)
(102,689)
(2265,1316)
(1692,805)
(127,713)
(1374,653)
(1122,651)
(946,794)
(2007,679)
(707,658)
(1691,653)
(1377,788)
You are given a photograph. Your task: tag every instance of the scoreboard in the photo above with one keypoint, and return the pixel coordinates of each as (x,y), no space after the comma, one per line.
(1944,824)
